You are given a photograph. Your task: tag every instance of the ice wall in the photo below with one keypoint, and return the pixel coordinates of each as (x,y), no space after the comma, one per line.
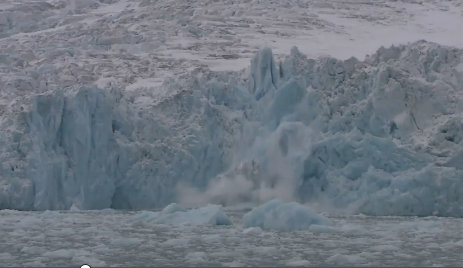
(95,149)
(381,136)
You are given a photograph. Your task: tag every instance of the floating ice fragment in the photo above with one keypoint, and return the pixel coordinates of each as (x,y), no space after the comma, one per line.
(175,215)
(276,215)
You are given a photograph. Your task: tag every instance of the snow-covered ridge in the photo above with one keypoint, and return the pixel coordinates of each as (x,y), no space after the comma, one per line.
(381,136)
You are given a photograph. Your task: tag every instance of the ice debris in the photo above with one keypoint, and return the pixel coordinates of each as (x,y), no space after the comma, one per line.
(173,214)
(276,215)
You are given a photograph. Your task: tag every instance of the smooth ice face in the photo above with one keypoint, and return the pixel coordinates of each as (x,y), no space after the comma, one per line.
(276,215)
(380,137)
(176,215)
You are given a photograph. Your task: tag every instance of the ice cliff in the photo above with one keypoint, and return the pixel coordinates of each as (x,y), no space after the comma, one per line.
(381,136)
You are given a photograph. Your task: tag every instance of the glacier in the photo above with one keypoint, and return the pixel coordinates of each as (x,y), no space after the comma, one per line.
(382,136)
